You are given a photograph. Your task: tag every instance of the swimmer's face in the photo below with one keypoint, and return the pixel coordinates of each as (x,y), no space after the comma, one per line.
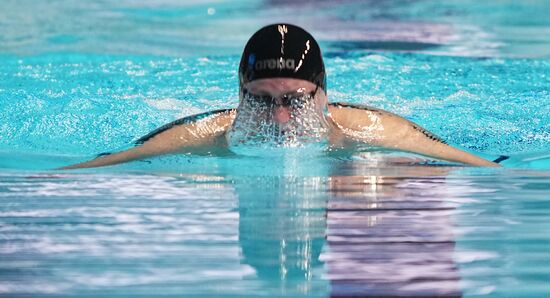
(283,98)
(280,112)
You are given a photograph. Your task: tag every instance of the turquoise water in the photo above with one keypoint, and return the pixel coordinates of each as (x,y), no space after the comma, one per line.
(77,79)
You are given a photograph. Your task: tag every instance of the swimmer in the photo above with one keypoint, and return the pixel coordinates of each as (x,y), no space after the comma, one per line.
(284,103)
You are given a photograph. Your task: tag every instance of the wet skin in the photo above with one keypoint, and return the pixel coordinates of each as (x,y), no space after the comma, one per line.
(347,124)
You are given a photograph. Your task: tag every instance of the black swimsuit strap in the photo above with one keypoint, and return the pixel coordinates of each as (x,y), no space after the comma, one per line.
(356,106)
(501,158)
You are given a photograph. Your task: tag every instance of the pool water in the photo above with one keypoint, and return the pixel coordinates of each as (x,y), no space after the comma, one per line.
(77,79)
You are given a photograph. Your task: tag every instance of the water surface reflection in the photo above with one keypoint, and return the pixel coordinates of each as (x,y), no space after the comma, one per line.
(345,228)
(391,235)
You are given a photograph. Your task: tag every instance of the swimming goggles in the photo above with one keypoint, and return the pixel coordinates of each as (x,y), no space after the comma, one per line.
(296,99)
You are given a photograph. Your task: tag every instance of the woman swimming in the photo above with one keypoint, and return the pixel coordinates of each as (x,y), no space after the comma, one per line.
(283,103)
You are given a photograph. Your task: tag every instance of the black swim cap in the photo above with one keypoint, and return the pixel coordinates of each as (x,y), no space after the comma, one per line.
(282,51)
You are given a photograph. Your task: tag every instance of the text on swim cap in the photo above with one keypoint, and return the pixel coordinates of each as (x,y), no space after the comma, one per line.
(275,64)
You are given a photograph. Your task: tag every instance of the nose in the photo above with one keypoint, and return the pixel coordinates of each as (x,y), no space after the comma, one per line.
(281,114)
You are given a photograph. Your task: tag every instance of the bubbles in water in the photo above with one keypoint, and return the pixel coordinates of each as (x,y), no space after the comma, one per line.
(255,129)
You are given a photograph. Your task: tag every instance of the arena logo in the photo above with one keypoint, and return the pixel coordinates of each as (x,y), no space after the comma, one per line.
(275,64)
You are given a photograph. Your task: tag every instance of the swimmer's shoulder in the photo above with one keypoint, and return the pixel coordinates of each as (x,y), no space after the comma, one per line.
(373,123)
(360,117)
(349,115)
(222,118)
(188,132)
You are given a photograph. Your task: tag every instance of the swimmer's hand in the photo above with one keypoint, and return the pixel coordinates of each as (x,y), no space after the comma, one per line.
(384,129)
(199,130)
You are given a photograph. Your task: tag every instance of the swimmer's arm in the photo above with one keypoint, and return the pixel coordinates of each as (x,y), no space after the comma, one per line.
(384,129)
(172,138)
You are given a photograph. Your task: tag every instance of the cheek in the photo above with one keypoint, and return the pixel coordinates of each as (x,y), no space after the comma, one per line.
(321,100)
